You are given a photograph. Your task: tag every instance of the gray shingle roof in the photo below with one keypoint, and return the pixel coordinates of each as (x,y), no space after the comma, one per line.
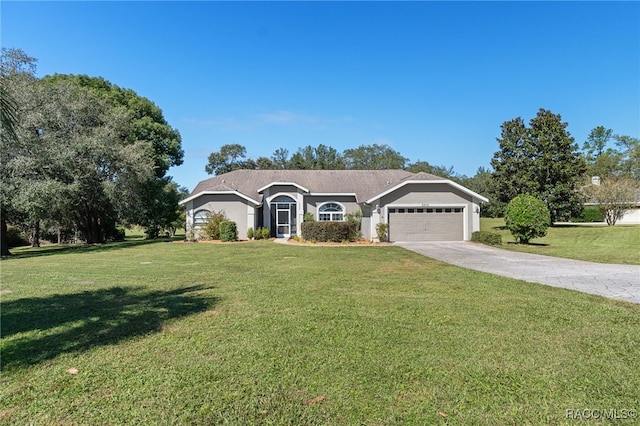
(364,183)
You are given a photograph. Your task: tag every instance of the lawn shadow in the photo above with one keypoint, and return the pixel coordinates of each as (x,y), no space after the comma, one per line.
(49,250)
(528,244)
(65,323)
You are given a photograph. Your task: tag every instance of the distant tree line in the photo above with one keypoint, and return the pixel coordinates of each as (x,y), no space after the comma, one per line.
(366,157)
(541,160)
(81,155)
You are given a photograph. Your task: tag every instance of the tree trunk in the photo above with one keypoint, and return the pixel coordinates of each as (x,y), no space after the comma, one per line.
(94,233)
(35,236)
(4,242)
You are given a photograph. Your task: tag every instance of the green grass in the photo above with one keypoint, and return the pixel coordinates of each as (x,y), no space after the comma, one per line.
(263,333)
(605,244)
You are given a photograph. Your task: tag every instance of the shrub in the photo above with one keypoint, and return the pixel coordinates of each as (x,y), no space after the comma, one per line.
(356,219)
(382,231)
(211,228)
(486,237)
(228,231)
(119,234)
(527,217)
(15,237)
(329,231)
(257,234)
(151,232)
(590,214)
(266,233)
(262,233)
(308,217)
(250,233)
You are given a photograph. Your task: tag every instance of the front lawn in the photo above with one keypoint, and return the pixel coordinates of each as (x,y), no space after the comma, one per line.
(596,243)
(263,333)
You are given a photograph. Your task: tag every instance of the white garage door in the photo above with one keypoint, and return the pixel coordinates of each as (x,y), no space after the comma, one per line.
(426,224)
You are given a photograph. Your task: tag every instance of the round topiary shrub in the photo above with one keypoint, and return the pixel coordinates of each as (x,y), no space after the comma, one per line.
(527,217)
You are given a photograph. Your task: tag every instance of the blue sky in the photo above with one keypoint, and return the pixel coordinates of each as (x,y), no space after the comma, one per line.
(433,80)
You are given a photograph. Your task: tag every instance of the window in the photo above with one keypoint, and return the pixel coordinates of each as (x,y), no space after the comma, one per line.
(200,217)
(331,212)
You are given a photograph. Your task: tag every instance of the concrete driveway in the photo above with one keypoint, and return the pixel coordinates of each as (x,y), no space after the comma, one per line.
(614,281)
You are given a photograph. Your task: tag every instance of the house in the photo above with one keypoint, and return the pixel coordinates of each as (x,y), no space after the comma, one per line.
(631,216)
(416,206)
(631,199)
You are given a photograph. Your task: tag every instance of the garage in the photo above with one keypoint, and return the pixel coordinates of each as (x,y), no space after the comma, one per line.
(426,224)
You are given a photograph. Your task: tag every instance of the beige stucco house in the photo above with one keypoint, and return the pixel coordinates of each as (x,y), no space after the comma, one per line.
(416,206)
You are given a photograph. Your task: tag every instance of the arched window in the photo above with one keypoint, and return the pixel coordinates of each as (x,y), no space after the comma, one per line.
(201,217)
(331,212)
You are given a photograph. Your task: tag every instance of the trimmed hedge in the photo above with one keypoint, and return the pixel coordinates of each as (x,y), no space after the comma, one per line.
(228,231)
(590,214)
(486,237)
(335,232)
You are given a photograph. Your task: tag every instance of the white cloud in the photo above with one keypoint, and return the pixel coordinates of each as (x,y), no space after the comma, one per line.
(222,123)
(287,117)
(279,117)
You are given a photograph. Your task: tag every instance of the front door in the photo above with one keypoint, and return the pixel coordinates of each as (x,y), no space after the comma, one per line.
(284,209)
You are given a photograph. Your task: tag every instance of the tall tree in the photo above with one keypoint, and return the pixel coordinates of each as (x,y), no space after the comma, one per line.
(321,157)
(373,157)
(630,153)
(482,183)
(540,160)
(159,208)
(596,142)
(17,73)
(79,145)
(230,157)
(424,166)
(266,163)
(601,160)
(144,122)
(8,125)
(280,158)
(86,150)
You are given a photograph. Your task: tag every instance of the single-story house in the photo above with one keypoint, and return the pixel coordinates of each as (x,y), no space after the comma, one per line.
(416,206)
(630,216)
